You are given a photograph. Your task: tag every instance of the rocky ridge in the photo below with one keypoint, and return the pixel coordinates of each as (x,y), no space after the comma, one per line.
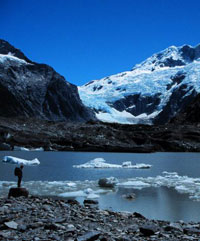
(38,218)
(97,136)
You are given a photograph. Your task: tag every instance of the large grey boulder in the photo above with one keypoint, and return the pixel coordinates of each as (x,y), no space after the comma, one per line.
(108,182)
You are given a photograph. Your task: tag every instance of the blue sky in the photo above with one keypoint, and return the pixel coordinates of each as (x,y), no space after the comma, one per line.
(90,39)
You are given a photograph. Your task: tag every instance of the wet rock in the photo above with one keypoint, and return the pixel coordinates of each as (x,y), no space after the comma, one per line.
(129,196)
(72,202)
(108,182)
(174,226)
(138,215)
(18,192)
(90,202)
(148,230)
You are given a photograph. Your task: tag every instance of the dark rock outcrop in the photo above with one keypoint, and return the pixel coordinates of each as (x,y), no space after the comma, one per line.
(18,192)
(29,89)
(189,114)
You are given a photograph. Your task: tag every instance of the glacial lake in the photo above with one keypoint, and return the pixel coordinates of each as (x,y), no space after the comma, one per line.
(169,190)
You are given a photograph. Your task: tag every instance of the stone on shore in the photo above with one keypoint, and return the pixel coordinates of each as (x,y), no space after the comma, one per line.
(18,192)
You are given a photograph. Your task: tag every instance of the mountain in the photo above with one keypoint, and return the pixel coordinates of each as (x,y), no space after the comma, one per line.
(151,92)
(29,89)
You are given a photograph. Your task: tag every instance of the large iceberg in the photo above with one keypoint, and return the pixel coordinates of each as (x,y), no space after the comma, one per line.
(101,163)
(19,161)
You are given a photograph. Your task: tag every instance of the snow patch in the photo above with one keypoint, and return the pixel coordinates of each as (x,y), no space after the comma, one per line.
(10,58)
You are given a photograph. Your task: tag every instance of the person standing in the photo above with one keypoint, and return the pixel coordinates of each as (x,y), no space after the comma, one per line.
(19,174)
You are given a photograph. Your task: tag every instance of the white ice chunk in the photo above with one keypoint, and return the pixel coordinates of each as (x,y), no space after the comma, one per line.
(101,163)
(16,160)
(20,148)
(134,184)
(87,193)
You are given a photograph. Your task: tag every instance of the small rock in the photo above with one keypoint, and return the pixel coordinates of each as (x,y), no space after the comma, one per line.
(148,230)
(11,224)
(129,196)
(90,236)
(22,227)
(173,226)
(191,231)
(89,201)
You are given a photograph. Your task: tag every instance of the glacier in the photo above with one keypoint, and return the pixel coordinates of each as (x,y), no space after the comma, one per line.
(155,80)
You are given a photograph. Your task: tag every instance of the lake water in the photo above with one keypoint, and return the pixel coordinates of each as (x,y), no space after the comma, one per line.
(169,190)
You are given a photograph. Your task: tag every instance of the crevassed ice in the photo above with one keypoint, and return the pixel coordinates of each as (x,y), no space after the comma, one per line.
(138,81)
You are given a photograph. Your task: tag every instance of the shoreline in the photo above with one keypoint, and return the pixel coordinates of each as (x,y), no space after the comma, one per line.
(42,218)
(97,136)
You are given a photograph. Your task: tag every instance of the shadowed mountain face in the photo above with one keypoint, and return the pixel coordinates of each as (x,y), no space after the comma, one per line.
(152,92)
(190,114)
(36,90)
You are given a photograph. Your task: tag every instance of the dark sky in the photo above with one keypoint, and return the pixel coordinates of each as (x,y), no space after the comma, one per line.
(91,39)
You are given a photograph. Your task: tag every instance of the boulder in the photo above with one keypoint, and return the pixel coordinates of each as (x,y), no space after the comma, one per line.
(18,192)
(108,182)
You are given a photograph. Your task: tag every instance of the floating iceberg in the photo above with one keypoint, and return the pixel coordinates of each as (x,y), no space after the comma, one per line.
(21,148)
(101,163)
(16,160)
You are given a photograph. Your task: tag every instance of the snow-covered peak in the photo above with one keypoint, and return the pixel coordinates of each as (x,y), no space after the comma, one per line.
(170,57)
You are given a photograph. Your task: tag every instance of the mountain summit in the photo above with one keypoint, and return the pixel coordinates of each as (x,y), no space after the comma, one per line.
(151,92)
(29,89)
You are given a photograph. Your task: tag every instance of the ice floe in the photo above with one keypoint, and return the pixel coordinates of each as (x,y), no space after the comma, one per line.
(101,163)
(91,189)
(19,161)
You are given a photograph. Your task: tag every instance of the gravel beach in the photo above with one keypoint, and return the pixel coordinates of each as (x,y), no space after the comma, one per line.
(41,218)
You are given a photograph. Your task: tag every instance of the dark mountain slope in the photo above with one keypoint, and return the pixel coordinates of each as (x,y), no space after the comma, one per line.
(36,90)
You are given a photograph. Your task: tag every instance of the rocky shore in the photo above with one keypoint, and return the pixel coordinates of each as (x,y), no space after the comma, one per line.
(97,136)
(37,218)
